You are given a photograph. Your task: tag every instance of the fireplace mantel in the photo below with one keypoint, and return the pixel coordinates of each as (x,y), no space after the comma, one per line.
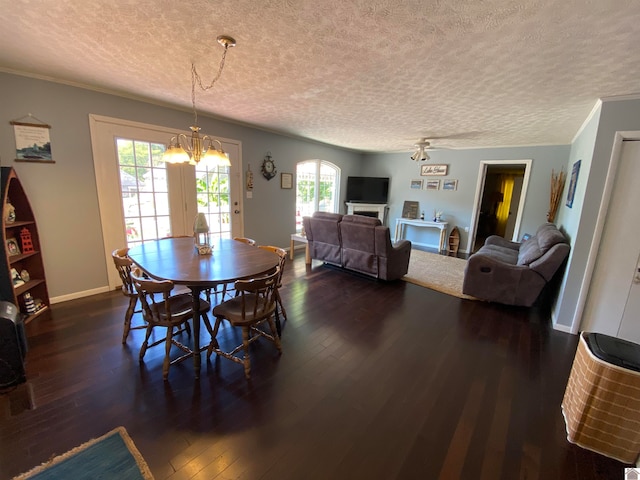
(379,208)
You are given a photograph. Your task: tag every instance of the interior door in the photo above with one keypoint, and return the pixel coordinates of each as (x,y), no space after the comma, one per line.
(613,305)
(630,325)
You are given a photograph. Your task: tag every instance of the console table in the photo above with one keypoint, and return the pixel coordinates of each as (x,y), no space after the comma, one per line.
(401,224)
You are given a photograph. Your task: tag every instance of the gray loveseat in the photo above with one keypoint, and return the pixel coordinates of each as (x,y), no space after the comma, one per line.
(357,243)
(515,273)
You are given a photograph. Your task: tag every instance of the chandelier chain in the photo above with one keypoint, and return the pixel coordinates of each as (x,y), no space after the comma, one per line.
(195,78)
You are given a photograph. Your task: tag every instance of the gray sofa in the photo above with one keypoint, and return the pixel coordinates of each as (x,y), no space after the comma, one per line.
(357,243)
(515,273)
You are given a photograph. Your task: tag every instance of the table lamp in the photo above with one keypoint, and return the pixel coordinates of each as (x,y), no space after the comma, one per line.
(201,234)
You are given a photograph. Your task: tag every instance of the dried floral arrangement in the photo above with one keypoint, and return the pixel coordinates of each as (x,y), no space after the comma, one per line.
(557,185)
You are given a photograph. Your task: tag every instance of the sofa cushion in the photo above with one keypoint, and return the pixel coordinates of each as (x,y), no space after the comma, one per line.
(362,220)
(502,254)
(529,251)
(548,238)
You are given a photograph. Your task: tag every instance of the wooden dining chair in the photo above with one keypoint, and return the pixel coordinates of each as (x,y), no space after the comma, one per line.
(161,309)
(282,254)
(254,306)
(123,264)
(227,287)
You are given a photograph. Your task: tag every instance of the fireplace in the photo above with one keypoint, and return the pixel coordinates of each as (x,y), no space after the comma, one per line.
(376,210)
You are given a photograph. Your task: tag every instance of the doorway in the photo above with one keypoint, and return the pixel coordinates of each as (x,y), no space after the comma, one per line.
(499,201)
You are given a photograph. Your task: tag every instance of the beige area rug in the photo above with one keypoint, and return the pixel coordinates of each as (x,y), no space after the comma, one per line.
(437,272)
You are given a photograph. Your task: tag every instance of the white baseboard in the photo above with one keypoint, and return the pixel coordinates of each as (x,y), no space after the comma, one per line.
(75,295)
(561,328)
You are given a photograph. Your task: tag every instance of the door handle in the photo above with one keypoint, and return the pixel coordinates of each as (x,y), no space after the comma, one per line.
(236,211)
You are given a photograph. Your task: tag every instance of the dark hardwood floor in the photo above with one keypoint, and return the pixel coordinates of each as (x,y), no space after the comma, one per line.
(376,381)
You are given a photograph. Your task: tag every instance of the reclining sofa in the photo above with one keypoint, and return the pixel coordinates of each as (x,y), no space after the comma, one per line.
(515,273)
(358,243)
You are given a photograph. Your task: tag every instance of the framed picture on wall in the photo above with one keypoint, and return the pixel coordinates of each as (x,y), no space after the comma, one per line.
(416,184)
(450,184)
(432,185)
(434,169)
(286,180)
(572,183)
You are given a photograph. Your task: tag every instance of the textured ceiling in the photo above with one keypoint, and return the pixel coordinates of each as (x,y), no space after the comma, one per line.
(371,75)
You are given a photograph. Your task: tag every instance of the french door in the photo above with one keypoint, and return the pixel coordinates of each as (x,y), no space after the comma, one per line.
(142,198)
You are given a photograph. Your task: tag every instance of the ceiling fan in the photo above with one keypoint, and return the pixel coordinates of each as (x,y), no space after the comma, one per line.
(421,154)
(423,144)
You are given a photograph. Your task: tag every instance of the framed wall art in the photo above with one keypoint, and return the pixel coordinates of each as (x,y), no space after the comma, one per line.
(33,143)
(432,185)
(286,180)
(434,169)
(416,184)
(449,184)
(572,183)
(410,209)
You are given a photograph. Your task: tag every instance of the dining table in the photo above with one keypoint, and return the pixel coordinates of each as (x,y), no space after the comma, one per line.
(177,259)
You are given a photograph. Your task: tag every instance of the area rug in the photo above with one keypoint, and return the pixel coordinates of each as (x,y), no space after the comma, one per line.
(112,456)
(437,272)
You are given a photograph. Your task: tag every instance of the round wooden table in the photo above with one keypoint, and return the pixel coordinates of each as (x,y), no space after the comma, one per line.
(176,259)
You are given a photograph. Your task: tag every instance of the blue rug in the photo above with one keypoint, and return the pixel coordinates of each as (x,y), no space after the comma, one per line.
(112,456)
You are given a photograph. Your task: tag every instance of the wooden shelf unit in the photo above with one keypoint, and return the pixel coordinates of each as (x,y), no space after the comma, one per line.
(454,241)
(13,192)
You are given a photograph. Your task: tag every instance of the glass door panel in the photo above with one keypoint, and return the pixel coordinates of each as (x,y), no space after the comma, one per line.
(144,189)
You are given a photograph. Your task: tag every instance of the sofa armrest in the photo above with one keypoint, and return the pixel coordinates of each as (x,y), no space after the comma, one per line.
(393,259)
(501,242)
(403,247)
(490,279)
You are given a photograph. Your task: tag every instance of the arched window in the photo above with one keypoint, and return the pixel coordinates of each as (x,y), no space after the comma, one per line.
(317,189)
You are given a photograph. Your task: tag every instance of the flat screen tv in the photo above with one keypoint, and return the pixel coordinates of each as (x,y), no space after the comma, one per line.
(367,189)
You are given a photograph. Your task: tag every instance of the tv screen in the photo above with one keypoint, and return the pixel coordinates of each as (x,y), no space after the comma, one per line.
(367,189)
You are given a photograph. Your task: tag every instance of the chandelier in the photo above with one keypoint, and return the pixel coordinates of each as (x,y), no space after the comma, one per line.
(421,154)
(196,149)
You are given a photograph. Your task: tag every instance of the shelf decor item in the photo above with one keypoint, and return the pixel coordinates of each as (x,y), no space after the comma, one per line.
(410,209)
(16,279)
(29,304)
(12,247)
(25,240)
(25,275)
(9,212)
